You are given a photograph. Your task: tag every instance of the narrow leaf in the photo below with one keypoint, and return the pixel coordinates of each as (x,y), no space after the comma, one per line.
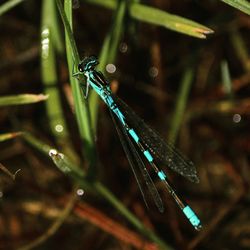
(159,17)
(173,22)
(21,99)
(181,104)
(9,5)
(226,78)
(241,5)
(8,136)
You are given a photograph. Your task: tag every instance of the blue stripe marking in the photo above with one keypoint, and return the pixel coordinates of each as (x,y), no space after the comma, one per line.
(148,155)
(110,100)
(119,115)
(162,175)
(134,135)
(191,216)
(97,89)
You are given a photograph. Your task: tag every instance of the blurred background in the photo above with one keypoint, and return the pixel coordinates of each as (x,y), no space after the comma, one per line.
(183,66)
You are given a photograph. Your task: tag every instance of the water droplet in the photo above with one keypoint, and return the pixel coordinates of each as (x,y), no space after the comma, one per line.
(153,72)
(110,68)
(53,152)
(80,192)
(236,118)
(45,43)
(59,128)
(45,32)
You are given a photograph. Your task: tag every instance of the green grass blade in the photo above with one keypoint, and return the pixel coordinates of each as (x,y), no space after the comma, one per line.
(110,4)
(241,5)
(241,49)
(37,144)
(9,5)
(49,71)
(67,22)
(49,46)
(158,17)
(226,78)
(56,37)
(9,136)
(81,105)
(21,99)
(172,22)
(117,31)
(181,104)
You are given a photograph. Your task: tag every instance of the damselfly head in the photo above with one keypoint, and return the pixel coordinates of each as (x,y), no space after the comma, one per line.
(88,64)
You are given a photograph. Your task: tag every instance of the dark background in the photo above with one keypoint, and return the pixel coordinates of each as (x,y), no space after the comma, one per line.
(210,133)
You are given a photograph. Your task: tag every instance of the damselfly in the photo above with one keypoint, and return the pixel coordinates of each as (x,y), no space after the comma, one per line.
(140,141)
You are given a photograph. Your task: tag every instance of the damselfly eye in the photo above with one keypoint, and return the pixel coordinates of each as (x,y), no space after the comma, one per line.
(80,68)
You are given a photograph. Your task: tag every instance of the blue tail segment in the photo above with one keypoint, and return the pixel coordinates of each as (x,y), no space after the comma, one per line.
(189,213)
(194,220)
(162,175)
(139,140)
(148,155)
(134,135)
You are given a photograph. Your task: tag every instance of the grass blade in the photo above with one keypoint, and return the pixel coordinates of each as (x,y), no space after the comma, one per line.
(241,49)
(241,5)
(81,105)
(181,104)
(8,136)
(9,5)
(21,99)
(49,71)
(172,22)
(226,78)
(162,18)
